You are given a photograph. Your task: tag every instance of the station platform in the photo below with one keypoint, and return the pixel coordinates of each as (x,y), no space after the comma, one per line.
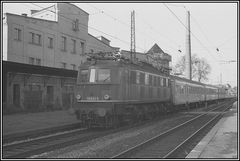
(23,123)
(222,141)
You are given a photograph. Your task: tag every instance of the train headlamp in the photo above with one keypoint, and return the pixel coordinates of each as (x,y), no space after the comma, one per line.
(78,96)
(106,97)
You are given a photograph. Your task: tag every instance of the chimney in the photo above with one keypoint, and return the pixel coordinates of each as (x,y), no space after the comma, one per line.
(24,14)
(33,11)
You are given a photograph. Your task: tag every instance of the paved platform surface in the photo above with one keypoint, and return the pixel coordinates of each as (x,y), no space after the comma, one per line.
(222,140)
(19,123)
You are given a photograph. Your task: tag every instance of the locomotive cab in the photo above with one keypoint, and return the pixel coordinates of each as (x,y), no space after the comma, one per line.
(97,82)
(97,87)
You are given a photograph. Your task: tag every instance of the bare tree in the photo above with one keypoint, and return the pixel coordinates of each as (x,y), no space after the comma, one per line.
(200,68)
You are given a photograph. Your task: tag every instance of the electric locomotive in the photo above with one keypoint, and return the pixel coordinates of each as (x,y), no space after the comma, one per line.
(110,91)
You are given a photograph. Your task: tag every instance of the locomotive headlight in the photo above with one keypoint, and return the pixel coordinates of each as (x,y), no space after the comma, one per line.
(106,97)
(78,96)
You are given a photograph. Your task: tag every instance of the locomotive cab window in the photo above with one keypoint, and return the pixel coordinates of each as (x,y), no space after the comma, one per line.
(103,75)
(92,75)
(83,77)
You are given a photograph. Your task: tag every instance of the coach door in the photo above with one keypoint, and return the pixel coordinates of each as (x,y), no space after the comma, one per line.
(49,96)
(16,94)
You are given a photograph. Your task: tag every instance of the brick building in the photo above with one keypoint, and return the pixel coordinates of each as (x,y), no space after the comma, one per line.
(52,39)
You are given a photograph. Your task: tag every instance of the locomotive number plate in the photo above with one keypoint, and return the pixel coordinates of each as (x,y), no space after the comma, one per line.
(92,98)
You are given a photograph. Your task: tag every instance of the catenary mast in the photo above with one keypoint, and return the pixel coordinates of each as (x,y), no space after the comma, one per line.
(188,68)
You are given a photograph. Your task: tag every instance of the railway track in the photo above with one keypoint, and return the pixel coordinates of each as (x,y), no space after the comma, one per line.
(174,142)
(34,146)
(16,137)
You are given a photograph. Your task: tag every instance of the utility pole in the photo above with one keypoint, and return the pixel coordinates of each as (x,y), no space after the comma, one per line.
(220,78)
(133,45)
(188,49)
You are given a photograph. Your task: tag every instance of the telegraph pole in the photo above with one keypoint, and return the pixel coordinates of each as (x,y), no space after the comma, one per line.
(188,49)
(133,45)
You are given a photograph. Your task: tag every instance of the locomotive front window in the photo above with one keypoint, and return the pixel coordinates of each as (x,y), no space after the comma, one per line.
(84,75)
(103,75)
(92,75)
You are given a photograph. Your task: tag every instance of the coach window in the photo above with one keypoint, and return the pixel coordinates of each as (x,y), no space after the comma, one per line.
(161,80)
(182,89)
(155,81)
(138,77)
(103,75)
(164,82)
(158,81)
(146,79)
(150,80)
(142,78)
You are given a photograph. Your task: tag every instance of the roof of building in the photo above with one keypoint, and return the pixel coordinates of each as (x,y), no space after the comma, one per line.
(100,40)
(155,49)
(103,37)
(37,11)
(9,66)
(11,14)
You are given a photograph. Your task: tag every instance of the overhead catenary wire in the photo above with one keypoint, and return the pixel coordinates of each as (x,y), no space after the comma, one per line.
(203,33)
(227,41)
(154,30)
(127,25)
(190,31)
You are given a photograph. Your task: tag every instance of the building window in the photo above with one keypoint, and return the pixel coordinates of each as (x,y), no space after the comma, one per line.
(31,38)
(38,61)
(63,65)
(31,60)
(73,46)
(50,42)
(35,38)
(63,43)
(75,25)
(73,66)
(18,34)
(82,47)
(34,87)
(38,38)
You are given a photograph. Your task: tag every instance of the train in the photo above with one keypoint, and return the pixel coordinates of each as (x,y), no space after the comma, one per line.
(112,90)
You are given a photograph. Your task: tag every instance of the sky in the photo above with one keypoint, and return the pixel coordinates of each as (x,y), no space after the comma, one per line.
(213,25)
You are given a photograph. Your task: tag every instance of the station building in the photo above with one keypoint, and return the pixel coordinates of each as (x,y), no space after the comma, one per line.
(41,56)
